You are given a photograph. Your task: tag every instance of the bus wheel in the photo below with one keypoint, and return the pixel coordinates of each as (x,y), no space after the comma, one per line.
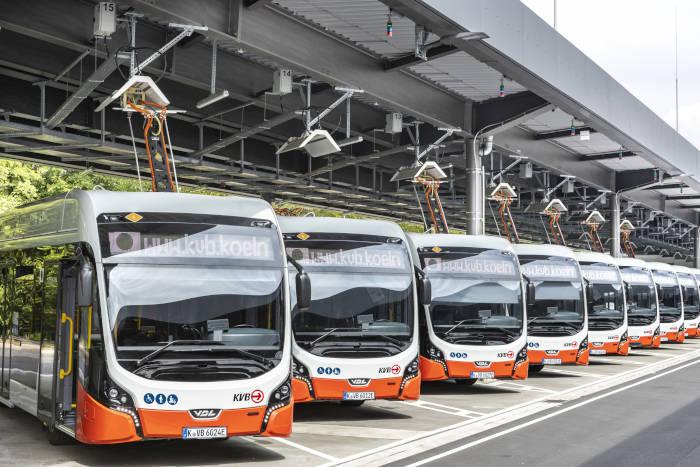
(465,382)
(351,403)
(535,368)
(57,437)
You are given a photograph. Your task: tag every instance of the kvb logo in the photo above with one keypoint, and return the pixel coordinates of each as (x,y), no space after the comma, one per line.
(257,396)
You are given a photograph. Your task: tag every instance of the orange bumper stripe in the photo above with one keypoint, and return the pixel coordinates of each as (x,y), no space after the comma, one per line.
(280,423)
(431,370)
(97,424)
(333,389)
(169,423)
(464,369)
(568,357)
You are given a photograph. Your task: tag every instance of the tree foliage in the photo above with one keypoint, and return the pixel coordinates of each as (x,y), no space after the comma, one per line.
(22,182)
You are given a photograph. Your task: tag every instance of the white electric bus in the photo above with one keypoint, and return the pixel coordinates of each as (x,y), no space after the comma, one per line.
(557,324)
(359,338)
(644,325)
(131,316)
(607,309)
(474,327)
(691,313)
(670,297)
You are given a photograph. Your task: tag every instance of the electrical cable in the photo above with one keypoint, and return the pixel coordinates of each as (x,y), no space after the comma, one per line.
(136,157)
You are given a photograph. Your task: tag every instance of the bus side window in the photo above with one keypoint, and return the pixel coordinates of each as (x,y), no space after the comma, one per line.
(23,302)
(49,309)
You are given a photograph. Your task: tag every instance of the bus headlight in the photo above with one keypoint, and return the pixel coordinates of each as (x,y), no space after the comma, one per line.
(300,372)
(281,397)
(521,357)
(582,347)
(118,399)
(437,356)
(624,337)
(409,373)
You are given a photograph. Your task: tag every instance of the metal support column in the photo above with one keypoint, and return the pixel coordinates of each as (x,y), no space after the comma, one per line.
(696,252)
(474,188)
(615,225)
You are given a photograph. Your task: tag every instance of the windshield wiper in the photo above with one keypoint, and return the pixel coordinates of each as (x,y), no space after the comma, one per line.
(321,338)
(364,333)
(151,356)
(460,323)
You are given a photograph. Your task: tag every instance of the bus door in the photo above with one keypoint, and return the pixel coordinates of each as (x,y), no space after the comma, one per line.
(66,344)
(26,332)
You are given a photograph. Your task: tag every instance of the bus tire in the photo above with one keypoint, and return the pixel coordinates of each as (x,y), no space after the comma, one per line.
(535,368)
(351,403)
(57,437)
(465,381)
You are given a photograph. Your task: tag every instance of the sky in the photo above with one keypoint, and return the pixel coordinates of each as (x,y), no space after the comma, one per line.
(634,41)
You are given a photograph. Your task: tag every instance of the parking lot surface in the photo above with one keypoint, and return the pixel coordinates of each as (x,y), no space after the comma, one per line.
(382,432)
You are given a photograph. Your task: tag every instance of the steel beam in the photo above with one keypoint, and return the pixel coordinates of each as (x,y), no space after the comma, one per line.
(314,52)
(603,156)
(502,113)
(563,133)
(682,197)
(409,60)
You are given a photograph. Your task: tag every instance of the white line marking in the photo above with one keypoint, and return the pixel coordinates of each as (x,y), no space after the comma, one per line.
(404,445)
(573,372)
(305,449)
(353,431)
(548,416)
(446,409)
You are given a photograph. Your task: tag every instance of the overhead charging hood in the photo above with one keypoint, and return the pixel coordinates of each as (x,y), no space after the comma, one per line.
(316,143)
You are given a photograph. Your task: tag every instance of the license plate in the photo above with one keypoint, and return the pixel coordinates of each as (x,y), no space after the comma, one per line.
(597,352)
(664,339)
(209,432)
(551,361)
(482,374)
(358,396)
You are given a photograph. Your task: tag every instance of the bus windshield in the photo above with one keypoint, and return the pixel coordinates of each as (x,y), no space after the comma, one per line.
(194,301)
(559,308)
(670,303)
(690,295)
(641,297)
(361,295)
(476,295)
(606,308)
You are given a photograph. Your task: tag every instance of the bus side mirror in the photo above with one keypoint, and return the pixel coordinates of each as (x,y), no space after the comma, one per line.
(589,292)
(84,293)
(425,291)
(628,290)
(530,292)
(303,283)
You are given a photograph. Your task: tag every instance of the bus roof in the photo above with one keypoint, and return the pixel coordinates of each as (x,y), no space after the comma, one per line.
(593,257)
(631,262)
(342,225)
(539,249)
(471,241)
(70,217)
(657,266)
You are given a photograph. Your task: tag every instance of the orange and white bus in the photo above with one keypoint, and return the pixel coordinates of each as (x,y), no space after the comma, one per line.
(644,325)
(557,323)
(134,316)
(474,327)
(670,296)
(691,313)
(607,310)
(358,340)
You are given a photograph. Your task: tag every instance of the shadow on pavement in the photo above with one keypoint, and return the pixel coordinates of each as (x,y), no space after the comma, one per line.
(452,388)
(24,443)
(330,411)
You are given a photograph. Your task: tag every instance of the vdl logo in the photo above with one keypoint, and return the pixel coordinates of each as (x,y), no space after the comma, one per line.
(328,371)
